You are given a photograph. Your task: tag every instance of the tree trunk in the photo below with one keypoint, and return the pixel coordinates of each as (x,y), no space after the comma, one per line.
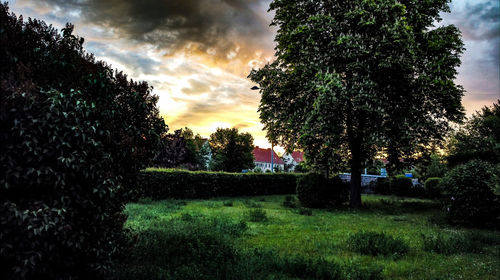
(355,201)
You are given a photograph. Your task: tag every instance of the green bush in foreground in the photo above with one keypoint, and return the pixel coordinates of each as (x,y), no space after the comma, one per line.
(377,244)
(315,191)
(74,135)
(469,195)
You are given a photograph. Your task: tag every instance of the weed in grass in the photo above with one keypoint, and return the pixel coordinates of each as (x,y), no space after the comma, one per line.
(357,271)
(456,243)
(377,244)
(228,203)
(309,268)
(211,204)
(290,202)
(252,204)
(257,215)
(304,211)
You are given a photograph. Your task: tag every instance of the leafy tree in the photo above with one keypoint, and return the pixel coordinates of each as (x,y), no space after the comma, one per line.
(353,78)
(182,148)
(173,151)
(431,166)
(74,134)
(232,151)
(479,138)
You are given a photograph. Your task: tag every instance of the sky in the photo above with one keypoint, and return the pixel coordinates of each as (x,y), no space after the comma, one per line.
(197,54)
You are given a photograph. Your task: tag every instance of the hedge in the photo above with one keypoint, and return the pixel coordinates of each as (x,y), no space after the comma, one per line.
(179,184)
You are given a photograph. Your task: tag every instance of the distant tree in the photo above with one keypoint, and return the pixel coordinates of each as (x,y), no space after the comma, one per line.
(173,151)
(232,151)
(302,167)
(478,139)
(374,167)
(357,77)
(182,149)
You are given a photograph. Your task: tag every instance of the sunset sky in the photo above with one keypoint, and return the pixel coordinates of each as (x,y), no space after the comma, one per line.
(198,53)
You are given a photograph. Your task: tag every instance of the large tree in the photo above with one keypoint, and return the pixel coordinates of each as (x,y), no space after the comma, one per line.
(352,78)
(231,150)
(479,138)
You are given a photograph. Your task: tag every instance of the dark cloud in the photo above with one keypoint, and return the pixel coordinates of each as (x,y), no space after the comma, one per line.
(135,61)
(222,28)
(476,20)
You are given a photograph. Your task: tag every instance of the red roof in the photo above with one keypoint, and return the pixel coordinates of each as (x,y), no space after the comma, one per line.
(264,155)
(298,156)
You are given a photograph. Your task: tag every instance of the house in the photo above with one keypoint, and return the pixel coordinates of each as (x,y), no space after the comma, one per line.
(264,162)
(293,159)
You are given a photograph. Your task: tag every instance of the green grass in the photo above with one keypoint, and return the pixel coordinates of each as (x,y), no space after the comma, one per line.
(322,238)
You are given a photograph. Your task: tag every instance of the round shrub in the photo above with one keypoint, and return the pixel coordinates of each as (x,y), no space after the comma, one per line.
(74,135)
(432,188)
(469,197)
(401,186)
(316,191)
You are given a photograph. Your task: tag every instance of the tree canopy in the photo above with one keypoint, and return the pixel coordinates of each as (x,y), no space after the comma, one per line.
(355,78)
(479,138)
(231,151)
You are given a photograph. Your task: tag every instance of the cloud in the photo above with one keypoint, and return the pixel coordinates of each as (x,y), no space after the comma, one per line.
(479,22)
(220,31)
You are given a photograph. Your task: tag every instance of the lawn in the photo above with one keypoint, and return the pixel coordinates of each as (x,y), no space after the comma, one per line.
(261,228)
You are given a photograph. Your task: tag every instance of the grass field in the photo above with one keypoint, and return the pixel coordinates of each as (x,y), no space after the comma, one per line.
(259,229)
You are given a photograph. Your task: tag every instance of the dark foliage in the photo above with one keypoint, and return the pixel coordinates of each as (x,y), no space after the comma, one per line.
(469,195)
(74,133)
(432,188)
(316,191)
(398,185)
(478,139)
(186,184)
(401,186)
(232,151)
(181,149)
(377,244)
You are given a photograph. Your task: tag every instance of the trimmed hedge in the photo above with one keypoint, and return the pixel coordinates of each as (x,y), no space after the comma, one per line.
(166,183)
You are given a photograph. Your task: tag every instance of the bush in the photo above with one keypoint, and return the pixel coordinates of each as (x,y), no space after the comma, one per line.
(382,186)
(257,215)
(432,188)
(468,195)
(376,244)
(401,186)
(74,135)
(165,183)
(315,191)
